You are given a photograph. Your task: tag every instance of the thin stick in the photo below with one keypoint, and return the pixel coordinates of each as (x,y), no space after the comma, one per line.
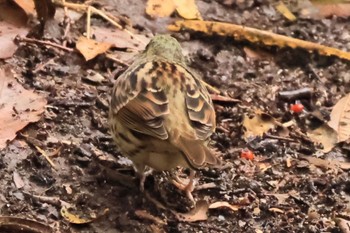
(47,43)
(46,156)
(88,22)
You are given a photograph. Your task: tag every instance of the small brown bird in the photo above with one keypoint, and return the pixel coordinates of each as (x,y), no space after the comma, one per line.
(160,114)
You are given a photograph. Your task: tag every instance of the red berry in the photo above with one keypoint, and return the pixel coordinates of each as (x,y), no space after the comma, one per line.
(297,108)
(247,154)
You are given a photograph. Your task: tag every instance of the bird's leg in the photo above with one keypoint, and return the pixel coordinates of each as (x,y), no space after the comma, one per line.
(140,169)
(187,188)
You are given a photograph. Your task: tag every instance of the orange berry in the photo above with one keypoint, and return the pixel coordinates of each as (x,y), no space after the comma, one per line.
(297,108)
(247,154)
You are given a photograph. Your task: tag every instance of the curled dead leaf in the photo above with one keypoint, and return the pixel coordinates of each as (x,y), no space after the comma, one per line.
(324,135)
(15,224)
(18,106)
(257,125)
(90,48)
(198,213)
(221,204)
(340,118)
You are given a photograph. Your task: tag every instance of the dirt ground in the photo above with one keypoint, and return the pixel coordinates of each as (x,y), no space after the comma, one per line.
(278,191)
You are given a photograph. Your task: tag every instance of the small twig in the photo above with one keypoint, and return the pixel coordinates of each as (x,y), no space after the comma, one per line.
(88,22)
(109,56)
(41,66)
(46,43)
(210,87)
(46,156)
(55,201)
(302,93)
(280,138)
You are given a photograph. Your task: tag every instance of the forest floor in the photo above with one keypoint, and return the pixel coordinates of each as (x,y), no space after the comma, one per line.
(280,190)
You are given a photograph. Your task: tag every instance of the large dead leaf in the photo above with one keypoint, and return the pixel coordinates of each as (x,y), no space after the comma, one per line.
(8,32)
(160,8)
(199,213)
(257,125)
(187,9)
(15,224)
(90,48)
(327,164)
(253,35)
(331,8)
(18,106)
(223,204)
(324,135)
(340,118)
(120,38)
(26,5)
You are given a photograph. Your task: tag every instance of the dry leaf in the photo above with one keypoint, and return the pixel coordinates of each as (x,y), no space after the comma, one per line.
(8,32)
(257,54)
(15,224)
(337,9)
(26,5)
(340,118)
(187,9)
(199,213)
(120,38)
(325,164)
(18,106)
(324,135)
(160,8)
(257,125)
(90,48)
(221,204)
(239,32)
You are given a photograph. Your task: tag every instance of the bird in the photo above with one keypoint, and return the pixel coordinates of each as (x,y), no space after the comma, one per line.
(161,115)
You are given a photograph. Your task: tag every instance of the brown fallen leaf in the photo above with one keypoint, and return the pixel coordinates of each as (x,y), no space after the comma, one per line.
(198,213)
(16,224)
(325,164)
(160,8)
(18,106)
(8,32)
(221,204)
(257,125)
(187,9)
(120,38)
(26,5)
(90,48)
(340,118)
(332,9)
(324,135)
(253,35)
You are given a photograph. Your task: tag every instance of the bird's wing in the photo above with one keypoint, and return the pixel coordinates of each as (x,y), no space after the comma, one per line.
(201,114)
(199,107)
(139,103)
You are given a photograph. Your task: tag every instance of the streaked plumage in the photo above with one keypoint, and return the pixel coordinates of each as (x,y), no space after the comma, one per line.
(161,115)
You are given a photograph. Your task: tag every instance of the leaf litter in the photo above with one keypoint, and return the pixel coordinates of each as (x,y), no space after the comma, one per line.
(76,123)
